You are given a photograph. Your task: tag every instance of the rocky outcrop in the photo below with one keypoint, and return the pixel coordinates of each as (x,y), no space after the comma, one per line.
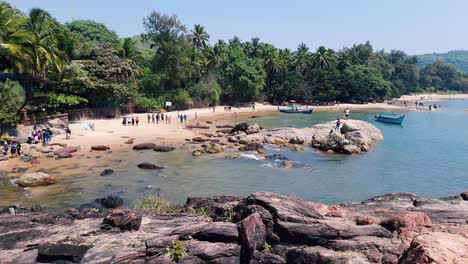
(354,136)
(261,228)
(162,148)
(36,179)
(143,146)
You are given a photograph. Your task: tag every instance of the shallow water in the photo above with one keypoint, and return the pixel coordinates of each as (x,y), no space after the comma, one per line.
(427,155)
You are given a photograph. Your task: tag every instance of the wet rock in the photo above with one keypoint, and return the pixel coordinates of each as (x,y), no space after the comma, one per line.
(64,155)
(36,179)
(252,236)
(213,149)
(276,157)
(130,141)
(149,166)
(464,195)
(161,148)
(437,247)
(100,148)
(199,139)
(197,153)
(297,148)
(240,127)
(123,220)
(287,164)
(27,158)
(351,149)
(107,172)
(296,140)
(251,147)
(110,201)
(143,146)
(61,252)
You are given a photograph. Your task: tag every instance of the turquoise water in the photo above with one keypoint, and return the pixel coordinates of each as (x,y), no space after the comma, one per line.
(427,155)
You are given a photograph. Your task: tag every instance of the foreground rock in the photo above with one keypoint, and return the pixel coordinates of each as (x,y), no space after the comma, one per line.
(261,228)
(36,179)
(354,136)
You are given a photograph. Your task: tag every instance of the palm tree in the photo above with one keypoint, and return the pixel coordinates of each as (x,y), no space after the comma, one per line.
(344,60)
(256,47)
(13,56)
(42,35)
(200,36)
(273,63)
(302,59)
(128,49)
(323,58)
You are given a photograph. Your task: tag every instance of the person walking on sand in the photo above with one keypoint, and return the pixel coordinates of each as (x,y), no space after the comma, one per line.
(166,117)
(157,118)
(214,108)
(149,118)
(185,118)
(181,117)
(137,120)
(67,133)
(18,148)
(5,149)
(133,120)
(346,113)
(196,116)
(338,123)
(124,121)
(162,118)
(13,149)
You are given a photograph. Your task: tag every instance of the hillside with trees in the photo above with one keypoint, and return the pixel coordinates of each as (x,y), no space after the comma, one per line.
(456,58)
(85,64)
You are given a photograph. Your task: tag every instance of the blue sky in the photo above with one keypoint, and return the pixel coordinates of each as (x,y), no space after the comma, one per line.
(415,26)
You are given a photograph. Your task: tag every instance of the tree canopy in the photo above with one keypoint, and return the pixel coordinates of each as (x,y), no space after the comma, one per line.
(83,63)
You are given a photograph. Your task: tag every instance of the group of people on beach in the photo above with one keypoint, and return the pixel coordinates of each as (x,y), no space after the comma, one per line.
(38,136)
(159,117)
(10,145)
(131,121)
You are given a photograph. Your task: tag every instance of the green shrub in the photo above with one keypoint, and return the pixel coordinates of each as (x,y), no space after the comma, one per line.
(154,203)
(182,99)
(176,250)
(145,104)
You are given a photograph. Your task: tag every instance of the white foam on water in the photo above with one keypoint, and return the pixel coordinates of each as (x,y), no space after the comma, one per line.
(251,156)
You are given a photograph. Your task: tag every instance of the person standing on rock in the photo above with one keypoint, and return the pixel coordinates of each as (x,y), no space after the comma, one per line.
(338,123)
(346,113)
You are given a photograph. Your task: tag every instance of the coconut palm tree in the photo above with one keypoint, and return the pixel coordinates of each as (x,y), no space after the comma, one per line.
(13,56)
(301,60)
(42,36)
(200,36)
(273,63)
(323,58)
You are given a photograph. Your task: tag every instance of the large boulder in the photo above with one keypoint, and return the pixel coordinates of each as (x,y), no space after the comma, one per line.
(240,127)
(252,129)
(285,207)
(252,235)
(437,247)
(123,220)
(36,179)
(251,147)
(216,253)
(61,252)
(143,146)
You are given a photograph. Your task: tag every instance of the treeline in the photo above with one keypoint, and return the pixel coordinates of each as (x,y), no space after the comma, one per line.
(83,63)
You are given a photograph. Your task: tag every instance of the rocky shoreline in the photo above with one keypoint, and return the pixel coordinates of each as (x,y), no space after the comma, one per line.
(261,228)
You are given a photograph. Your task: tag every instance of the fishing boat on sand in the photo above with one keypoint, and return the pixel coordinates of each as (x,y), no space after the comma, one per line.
(391,118)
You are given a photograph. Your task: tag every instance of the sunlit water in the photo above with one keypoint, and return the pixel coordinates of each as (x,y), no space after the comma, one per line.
(427,155)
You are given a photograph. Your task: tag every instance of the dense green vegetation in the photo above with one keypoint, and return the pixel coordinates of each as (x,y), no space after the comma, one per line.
(456,58)
(83,63)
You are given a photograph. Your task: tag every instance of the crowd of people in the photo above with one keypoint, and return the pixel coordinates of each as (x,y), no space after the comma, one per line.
(12,146)
(38,136)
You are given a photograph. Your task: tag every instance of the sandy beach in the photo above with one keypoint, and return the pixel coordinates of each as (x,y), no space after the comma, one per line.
(112,133)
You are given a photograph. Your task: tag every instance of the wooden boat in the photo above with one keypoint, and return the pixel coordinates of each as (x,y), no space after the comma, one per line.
(390,118)
(296,111)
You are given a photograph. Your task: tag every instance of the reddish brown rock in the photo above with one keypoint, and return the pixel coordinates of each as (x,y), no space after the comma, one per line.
(143,146)
(35,162)
(367,220)
(252,234)
(100,148)
(124,220)
(69,149)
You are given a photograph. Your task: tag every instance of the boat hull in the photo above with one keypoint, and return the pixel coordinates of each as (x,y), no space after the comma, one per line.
(390,119)
(286,111)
